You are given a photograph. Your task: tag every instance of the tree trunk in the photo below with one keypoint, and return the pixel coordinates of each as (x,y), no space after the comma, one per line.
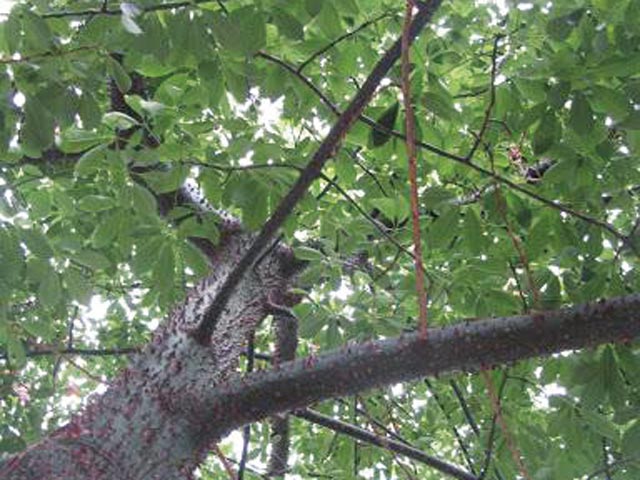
(149,424)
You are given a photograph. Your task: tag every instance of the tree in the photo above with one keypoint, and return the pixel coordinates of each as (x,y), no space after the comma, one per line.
(228,181)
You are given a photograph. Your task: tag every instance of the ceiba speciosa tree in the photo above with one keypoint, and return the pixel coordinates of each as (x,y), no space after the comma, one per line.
(183,392)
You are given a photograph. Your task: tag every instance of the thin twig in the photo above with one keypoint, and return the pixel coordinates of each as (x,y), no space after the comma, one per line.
(497,410)
(410,143)
(463,447)
(46,55)
(90,12)
(331,183)
(492,99)
(341,38)
(488,453)
(224,461)
(383,442)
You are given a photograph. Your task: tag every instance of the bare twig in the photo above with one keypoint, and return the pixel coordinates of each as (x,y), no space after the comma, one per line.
(49,54)
(497,410)
(384,442)
(463,446)
(286,333)
(341,38)
(224,461)
(410,143)
(492,99)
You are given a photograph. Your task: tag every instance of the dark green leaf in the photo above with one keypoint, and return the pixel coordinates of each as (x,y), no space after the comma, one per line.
(547,133)
(387,119)
(581,117)
(119,75)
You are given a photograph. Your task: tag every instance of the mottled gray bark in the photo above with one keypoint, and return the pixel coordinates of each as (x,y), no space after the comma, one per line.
(148,424)
(178,397)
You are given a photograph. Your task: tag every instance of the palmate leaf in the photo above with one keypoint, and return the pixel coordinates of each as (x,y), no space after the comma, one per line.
(387,119)
(106,210)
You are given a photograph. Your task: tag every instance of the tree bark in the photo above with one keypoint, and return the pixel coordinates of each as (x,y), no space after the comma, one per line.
(178,397)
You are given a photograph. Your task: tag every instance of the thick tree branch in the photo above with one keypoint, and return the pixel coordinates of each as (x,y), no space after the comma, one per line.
(386,443)
(469,345)
(312,171)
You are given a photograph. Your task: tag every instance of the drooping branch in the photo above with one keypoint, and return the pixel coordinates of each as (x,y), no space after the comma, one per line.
(412,156)
(384,442)
(469,345)
(327,149)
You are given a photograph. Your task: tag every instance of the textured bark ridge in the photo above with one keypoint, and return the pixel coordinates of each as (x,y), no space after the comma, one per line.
(147,425)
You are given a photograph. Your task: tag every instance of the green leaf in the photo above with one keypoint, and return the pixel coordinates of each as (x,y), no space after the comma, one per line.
(91,161)
(16,353)
(439,105)
(201,228)
(78,286)
(328,20)
(288,25)
(164,270)
(612,102)
(11,256)
(242,31)
(13,29)
(443,229)
(75,140)
(472,233)
(49,291)
(395,209)
(601,424)
(107,230)
(560,28)
(143,200)
(195,259)
(37,131)
(387,119)
(118,120)
(314,7)
(89,110)
(92,259)
(166,181)
(38,35)
(309,254)
(631,440)
(581,116)
(616,66)
(36,242)
(119,75)
(547,134)
(96,203)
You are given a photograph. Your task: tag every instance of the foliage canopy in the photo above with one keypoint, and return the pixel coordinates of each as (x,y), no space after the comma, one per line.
(528,117)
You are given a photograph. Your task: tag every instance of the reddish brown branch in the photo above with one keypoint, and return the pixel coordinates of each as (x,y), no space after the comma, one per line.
(497,411)
(410,143)
(470,345)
